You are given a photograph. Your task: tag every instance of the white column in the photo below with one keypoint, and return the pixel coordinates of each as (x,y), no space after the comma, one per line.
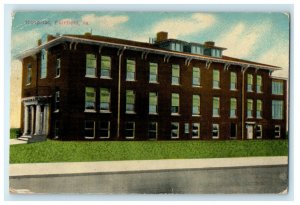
(26,112)
(45,120)
(37,120)
(32,120)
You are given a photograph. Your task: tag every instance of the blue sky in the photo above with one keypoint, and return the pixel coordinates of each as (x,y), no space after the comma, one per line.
(261,37)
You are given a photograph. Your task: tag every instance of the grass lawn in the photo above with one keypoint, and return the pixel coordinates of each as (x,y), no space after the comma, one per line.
(79,151)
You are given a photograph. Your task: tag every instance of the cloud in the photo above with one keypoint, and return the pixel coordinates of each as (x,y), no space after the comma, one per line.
(15,93)
(179,27)
(25,40)
(278,55)
(242,40)
(108,22)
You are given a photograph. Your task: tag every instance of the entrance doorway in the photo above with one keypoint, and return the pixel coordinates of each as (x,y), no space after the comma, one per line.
(249,132)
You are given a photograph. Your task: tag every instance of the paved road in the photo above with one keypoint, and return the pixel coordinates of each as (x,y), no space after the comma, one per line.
(267,179)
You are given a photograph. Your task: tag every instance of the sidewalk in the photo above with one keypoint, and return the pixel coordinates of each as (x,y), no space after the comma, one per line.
(36,169)
(15,141)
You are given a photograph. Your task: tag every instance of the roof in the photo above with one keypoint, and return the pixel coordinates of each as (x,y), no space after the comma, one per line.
(143,47)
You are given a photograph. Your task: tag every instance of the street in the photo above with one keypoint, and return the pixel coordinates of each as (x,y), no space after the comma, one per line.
(262,179)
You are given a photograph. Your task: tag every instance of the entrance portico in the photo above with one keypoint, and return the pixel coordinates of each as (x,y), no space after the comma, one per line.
(36,118)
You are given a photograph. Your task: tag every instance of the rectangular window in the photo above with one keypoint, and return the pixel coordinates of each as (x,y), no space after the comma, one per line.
(90,98)
(153,103)
(153,73)
(152,130)
(89,129)
(29,74)
(196,130)
(249,108)
(57,100)
(233,107)
(259,84)
(130,101)
(249,82)
(56,129)
(175,103)
(130,70)
(91,65)
(57,67)
(174,130)
(186,128)
(44,60)
(216,79)
(129,130)
(277,109)
(258,131)
(258,109)
(105,67)
(215,131)
(104,129)
(196,105)
(277,87)
(216,106)
(196,76)
(175,75)
(277,131)
(197,49)
(104,99)
(232,130)
(233,81)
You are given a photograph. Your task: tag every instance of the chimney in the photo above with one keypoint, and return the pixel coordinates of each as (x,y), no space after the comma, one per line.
(209,44)
(161,36)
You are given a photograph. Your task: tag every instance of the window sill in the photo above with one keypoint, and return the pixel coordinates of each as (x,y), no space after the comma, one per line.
(56,111)
(195,137)
(90,76)
(234,90)
(129,138)
(196,86)
(259,92)
(175,84)
(173,138)
(175,114)
(105,111)
(90,111)
(28,84)
(216,88)
(89,138)
(58,76)
(154,82)
(130,112)
(250,91)
(216,116)
(103,137)
(233,117)
(153,113)
(131,80)
(105,77)
(215,138)
(196,115)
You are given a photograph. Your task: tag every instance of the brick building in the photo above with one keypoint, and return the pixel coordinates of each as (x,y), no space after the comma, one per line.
(77,87)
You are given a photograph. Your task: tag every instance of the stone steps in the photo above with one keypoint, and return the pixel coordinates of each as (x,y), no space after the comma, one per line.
(33,138)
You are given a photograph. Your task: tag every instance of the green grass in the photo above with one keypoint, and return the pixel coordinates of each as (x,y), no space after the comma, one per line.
(79,151)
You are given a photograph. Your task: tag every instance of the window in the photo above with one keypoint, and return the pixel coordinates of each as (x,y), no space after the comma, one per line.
(57,67)
(153,73)
(258,131)
(152,130)
(259,84)
(175,74)
(186,128)
(277,131)
(233,107)
(29,74)
(104,99)
(57,100)
(233,130)
(233,81)
(130,101)
(197,49)
(44,57)
(176,47)
(152,103)
(90,98)
(249,82)
(277,87)
(216,79)
(91,65)
(89,129)
(175,103)
(196,76)
(216,106)
(104,129)
(277,109)
(129,130)
(196,130)
(196,105)
(249,108)
(130,72)
(258,109)
(105,67)
(56,129)
(215,131)
(174,130)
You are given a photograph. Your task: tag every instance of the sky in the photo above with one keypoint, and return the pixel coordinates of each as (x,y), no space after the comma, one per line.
(259,37)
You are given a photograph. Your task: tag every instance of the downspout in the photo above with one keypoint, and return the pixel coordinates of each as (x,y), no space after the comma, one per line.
(243,100)
(120,54)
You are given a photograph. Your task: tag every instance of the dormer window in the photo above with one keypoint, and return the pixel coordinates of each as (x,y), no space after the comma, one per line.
(175,46)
